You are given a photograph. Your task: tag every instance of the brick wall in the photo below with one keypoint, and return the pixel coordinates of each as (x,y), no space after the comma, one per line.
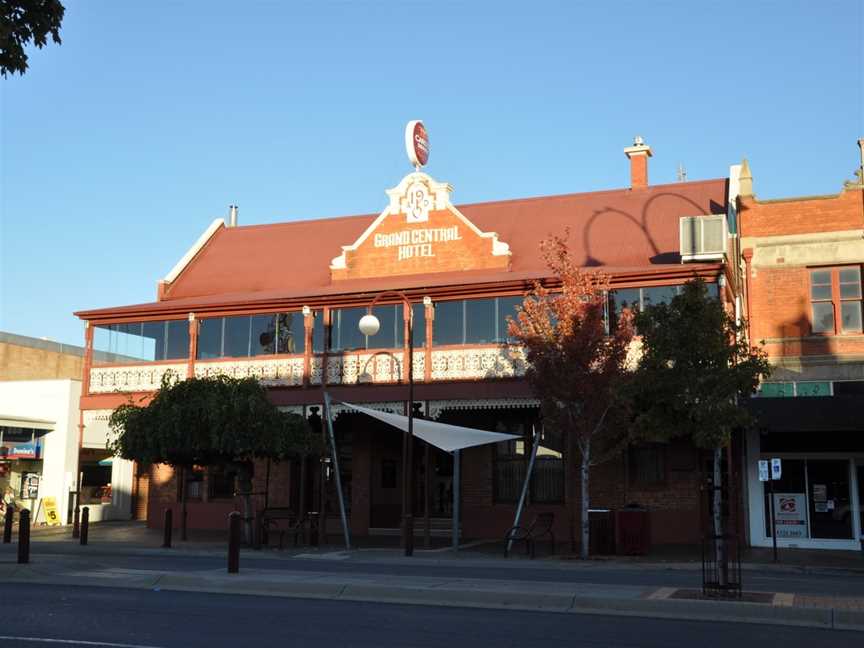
(785,240)
(802,215)
(18,362)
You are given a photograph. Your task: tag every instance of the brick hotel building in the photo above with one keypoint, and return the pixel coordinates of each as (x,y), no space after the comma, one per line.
(281,302)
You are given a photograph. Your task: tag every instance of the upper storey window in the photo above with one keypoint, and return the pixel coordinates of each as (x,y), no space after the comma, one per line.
(345,328)
(141,341)
(835,297)
(251,335)
(473,321)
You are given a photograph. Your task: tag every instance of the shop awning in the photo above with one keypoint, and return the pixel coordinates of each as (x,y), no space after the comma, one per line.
(441,435)
(20,428)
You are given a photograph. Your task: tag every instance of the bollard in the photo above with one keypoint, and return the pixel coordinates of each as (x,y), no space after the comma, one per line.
(76,520)
(24,537)
(167,528)
(85,524)
(7,525)
(234,542)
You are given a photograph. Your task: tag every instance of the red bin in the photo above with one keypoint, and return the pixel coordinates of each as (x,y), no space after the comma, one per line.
(632,531)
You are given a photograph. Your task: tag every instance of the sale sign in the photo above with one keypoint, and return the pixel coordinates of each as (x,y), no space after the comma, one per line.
(790,515)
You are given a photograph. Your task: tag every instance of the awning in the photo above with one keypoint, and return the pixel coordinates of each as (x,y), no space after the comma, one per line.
(441,435)
(812,414)
(24,422)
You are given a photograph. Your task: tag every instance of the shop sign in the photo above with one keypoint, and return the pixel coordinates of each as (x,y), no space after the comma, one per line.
(25,451)
(763,470)
(417,143)
(790,515)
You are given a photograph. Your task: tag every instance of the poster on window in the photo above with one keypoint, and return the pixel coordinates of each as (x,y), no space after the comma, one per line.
(790,515)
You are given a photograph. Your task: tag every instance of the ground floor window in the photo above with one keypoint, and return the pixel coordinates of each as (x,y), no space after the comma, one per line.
(511,466)
(222,481)
(813,499)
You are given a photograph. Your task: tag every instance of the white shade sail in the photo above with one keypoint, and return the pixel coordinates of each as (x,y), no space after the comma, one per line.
(441,435)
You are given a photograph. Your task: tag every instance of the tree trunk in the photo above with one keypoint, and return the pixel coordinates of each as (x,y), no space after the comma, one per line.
(720,542)
(585,496)
(184,486)
(244,483)
(569,496)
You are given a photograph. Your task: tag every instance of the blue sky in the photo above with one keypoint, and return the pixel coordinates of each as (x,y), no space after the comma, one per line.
(119,147)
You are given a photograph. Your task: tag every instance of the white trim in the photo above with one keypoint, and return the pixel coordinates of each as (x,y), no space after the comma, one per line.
(190,254)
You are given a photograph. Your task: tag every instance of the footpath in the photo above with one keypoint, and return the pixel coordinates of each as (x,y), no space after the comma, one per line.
(129,556)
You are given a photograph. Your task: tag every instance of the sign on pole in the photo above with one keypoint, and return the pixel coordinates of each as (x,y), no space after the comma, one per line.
(775,468)
(417,143)
(763,470)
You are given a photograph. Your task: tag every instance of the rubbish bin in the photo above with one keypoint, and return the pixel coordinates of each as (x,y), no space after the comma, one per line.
(601,523)
(633,533)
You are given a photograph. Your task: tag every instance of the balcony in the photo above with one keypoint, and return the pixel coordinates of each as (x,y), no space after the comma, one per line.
(482,362)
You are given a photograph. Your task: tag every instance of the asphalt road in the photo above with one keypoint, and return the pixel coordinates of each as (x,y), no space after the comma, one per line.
(839,584)
(38,615)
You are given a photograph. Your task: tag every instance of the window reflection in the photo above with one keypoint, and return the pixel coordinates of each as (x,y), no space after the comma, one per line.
(141,341)
(249,336)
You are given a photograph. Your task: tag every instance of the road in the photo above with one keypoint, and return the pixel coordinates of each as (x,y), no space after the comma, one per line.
(839,584)
(38,615)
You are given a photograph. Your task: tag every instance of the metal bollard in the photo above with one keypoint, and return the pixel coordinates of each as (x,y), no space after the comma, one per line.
(24,537)
(167,528)
(234,542)
(7,525)
(85,524)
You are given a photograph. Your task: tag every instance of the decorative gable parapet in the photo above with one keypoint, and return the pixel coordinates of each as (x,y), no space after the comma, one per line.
(420,232)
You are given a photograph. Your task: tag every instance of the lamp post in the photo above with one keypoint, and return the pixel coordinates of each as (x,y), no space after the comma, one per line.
(369,326)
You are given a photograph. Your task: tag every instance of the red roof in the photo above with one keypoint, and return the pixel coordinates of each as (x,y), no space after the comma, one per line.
(631,231)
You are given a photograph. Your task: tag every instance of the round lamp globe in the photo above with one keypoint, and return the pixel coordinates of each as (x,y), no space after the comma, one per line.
(369,325)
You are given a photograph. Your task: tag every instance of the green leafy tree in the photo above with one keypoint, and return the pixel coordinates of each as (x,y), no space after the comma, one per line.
(696,366)
(218,421)
(575,368)
(23,22)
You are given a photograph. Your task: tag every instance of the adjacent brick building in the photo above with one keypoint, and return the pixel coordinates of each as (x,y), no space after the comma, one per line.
(802,265)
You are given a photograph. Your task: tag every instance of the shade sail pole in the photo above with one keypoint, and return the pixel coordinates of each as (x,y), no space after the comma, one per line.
(457,457)
(335,457)
(525,484)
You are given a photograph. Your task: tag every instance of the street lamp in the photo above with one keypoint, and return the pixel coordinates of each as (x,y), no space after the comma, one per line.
(369,326)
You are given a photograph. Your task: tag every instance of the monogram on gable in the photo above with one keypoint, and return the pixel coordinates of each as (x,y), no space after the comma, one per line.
(417,202)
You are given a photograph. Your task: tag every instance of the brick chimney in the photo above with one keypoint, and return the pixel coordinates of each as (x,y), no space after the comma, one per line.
(638,155)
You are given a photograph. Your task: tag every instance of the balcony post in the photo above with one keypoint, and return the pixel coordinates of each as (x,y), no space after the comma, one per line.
(193,346)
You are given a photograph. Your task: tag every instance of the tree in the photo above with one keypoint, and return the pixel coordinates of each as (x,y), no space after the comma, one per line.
(23,22)
(575,366)
(695,366)
(218,421)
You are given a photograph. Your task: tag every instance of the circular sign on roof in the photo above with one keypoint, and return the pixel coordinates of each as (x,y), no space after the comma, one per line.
(417,143)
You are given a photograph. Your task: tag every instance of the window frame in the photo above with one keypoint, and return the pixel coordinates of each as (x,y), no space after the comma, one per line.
(837,300)
(662,450)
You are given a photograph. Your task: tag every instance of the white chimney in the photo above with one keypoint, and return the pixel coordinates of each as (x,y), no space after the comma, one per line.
(232,216)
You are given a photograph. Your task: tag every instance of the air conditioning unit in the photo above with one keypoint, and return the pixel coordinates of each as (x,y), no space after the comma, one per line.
(703,238)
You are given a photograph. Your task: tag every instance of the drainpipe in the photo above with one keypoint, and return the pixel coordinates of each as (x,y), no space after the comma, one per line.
(748,258)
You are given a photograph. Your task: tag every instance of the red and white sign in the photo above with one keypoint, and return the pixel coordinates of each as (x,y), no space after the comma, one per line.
(417,143)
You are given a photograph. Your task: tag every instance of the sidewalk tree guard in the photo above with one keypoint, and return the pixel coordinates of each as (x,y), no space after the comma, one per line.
(213,421)
(696,367)
(447,437)
(575,367)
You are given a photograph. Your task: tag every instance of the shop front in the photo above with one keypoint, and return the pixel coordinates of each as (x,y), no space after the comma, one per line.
(818,499)
(21,460)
